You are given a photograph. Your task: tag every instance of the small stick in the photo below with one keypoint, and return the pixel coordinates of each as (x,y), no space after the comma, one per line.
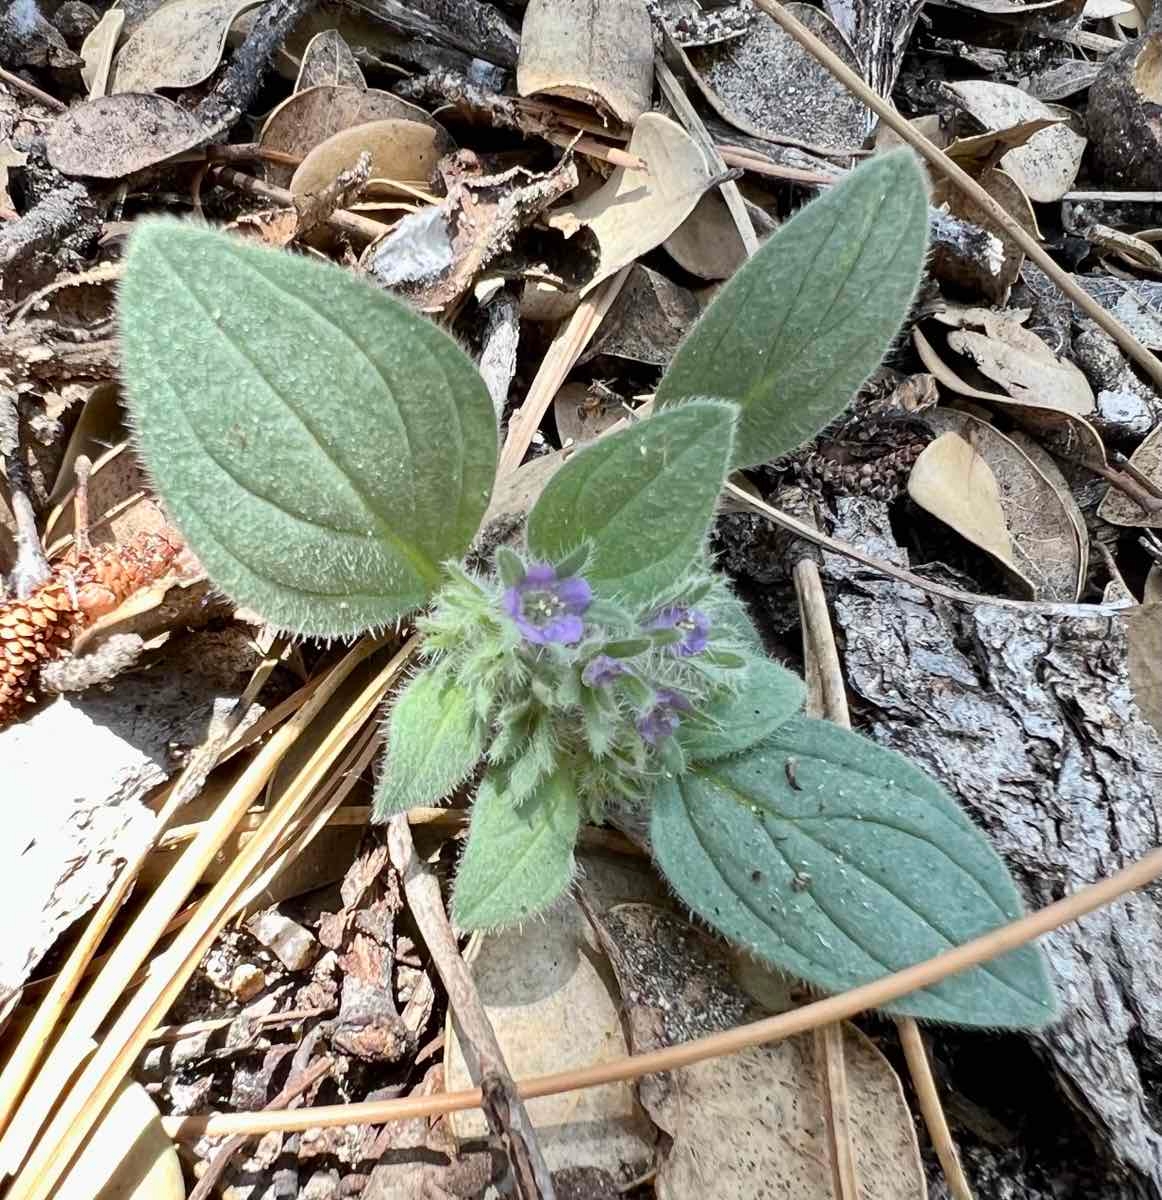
(30,89)
(734,156)
(506,1114)
(1146,498)
(287,1098)
(1120,460)
(355,226)
(942,163)
(757,1033)
(31,568)
(590,147)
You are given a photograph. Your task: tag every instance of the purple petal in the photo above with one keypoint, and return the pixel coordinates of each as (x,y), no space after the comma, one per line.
(656,725)
(602,670)
(538,635)
(567,630)
(668,698)
(538,575)
(666,618)
(574,593)
(510,602)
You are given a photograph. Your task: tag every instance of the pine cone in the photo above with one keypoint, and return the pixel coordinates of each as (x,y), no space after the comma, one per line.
(41,628)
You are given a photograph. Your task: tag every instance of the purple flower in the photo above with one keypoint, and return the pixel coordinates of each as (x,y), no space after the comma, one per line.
(694,625)
(601,670)
(548,609)
(661,720)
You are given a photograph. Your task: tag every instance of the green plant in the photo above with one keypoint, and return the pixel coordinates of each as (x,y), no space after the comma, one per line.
(329,455)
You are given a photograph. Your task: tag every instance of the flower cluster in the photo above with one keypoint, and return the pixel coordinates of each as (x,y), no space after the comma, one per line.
(562,672)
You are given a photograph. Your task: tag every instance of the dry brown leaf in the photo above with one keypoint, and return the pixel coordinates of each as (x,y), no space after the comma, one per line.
(747,1126)
(952,481)
(767,85)
(1046,166)
(554,1004)
(1045,544)
(1065,434)
(707,243)
(600,53)
(1047,465)
(177,46)
(648,319)
(302,121)
(399,149)
(1017,359)
(634,211)
(970,272)
(1144,641)
(1104,10)
(1116,507)
(97,52)
(114,136)
(983,149)
(1039,14)
(328,60)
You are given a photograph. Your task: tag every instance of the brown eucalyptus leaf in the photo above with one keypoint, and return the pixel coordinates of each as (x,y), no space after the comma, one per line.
(553,1002)
(767,85)
(1039,14)
(1047,465)
(600,53)
(306,119)
(1144,643)
(1152,588)
(1045,543)
(634,211)
(114,136)
(328,60)
(178,46)
(1063,80)
(707,243)
(952,481)
(1065,434)
(1116,507)
(983,149)
(97,52)
(400,149)
(750,1125)
(1047,164)
(1025,366)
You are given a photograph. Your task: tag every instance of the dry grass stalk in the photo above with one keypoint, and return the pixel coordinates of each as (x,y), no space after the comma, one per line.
(79,1109)
(74,1043)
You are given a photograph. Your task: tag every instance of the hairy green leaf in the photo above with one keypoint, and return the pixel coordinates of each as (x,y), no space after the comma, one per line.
(322,447)
(434,741)
(839,861)
(768,696)
(643,497)
(796,331)
(519,858)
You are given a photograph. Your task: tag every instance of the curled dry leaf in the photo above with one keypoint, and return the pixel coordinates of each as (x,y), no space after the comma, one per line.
(1123,115)
(634,211)
(747,1125)
(600,53)
(1116,507)
(1065,434)
(1016,358)
(991,278)
(1045,544)
(767,85)
(306,119)
(177,46)
(952,481)
(328,60)
(114,136)
(97,52)
(1047,164)
(1144,644)
(400,149)
(981,150)
(1152,588)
